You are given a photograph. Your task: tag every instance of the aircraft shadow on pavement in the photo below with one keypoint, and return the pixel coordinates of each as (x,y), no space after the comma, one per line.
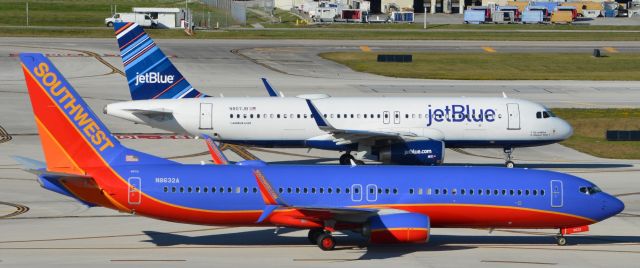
(267,238)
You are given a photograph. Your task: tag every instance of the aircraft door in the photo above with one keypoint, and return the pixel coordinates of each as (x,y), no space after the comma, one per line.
(356,192)
(513,114)
(372,192)
(396,117)
(134,191)
(206,112)
(385,117)
(556,193)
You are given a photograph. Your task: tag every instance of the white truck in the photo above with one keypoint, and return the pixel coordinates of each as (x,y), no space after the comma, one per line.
(143,20)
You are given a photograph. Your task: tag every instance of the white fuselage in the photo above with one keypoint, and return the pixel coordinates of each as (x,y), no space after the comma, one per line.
(287,122)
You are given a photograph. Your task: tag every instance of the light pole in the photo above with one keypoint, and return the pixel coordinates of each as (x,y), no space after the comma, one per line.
(425,14)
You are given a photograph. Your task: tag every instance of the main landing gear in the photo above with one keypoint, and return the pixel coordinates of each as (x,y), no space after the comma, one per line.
(561,240)
(507,157)
(322,238)
(345,159)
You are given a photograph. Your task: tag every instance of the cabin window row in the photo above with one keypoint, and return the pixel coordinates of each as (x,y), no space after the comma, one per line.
(198,189)
(495,192)
(345,116)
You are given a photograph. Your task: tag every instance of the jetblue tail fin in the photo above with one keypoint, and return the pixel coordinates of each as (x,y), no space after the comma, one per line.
(73,137)
(150,74)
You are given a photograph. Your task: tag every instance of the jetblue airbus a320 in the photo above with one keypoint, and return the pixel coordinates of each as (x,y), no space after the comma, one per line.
(386,204)
(385,129)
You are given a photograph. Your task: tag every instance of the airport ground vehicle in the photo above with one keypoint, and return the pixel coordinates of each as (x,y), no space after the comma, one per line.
(386,204)
(143,20)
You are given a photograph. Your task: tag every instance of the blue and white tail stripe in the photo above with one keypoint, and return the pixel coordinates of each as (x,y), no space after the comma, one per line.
(150,74)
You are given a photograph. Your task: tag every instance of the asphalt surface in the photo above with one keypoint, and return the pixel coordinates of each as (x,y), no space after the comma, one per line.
(40,228)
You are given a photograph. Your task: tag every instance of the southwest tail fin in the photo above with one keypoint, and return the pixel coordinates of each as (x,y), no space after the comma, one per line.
(73,137)
(150,74)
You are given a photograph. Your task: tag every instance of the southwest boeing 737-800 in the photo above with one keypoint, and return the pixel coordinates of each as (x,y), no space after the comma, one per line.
(386,204)
(388,129)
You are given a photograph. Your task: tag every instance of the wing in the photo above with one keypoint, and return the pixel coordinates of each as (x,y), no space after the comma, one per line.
(348,136)
(273,201)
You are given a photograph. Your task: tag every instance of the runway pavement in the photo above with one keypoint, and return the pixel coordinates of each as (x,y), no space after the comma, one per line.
(38,227)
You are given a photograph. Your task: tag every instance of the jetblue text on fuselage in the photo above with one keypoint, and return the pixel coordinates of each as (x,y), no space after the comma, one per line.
(460,113)
(153,78)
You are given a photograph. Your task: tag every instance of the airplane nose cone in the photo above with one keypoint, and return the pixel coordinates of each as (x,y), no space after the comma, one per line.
(564,129)
(615,206)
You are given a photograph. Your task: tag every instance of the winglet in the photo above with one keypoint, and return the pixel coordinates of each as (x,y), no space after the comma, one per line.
(269,195)
(216,154)
(322,124)
(270,90)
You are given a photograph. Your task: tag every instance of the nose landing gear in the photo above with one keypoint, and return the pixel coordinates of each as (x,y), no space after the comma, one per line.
(507,157)
(345,159)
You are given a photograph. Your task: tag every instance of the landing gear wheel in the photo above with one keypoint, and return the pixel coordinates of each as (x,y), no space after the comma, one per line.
(313,235)
(507,157)
(359,162)
(345,159)
(326,242)
(109,24)
(561,240)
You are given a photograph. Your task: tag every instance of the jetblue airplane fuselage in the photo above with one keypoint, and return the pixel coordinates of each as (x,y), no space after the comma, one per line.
(287,122)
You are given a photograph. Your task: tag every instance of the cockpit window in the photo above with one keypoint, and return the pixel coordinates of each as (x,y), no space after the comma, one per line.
(550,113)
(539,115)
(545,114)
(590,190)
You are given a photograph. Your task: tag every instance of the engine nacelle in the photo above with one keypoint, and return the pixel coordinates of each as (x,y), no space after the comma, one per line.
(398,228)
(423,152)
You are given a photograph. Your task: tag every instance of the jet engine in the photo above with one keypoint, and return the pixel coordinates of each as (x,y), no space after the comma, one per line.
(397,228)
(422,152)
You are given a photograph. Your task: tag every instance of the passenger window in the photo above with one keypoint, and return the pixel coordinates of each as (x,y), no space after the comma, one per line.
(462,191)
(229,190)
(313,190)
(436,191)
(255,190)
(471,191)
(428,191)
(197,189)
(278,115)
(542,192)
(305,190)
(406,115)
(346,190)
(386,116)
(444,191)
(221,190)
(244,116)
(395,190)
(496,192)
(380,190)
(511,192)
(251,116)
(519,192)
(387,191)
(351,115)
(356,190)
(257,115)
(410,190)
(454,191)
(365,116)
(338,115)
(321,190)
(173,189)
(284,115)
(297,190)
(345,116)
(526,192)
(420,191)
(329,190)
(504,192)
(289,190)
(299,116)
(535,192)
(213,189)
(230,115)
(337,190)
(182,189)
(487,192)
(479,192)
(205,189)
(166,189)
(280,190)
(245,190)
